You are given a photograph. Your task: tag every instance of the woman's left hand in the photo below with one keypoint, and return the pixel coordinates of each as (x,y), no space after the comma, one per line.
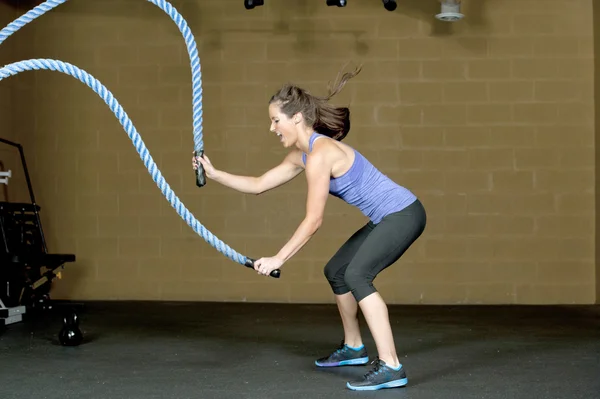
(266,265)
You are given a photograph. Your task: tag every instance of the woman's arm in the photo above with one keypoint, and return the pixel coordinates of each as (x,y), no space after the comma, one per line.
(318,171)
(289,168)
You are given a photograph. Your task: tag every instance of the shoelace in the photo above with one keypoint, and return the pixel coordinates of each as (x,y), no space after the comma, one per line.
(377,368)
(340,348)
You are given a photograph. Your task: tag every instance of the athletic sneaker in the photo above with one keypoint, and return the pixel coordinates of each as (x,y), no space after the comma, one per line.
(381,376)
(345,356)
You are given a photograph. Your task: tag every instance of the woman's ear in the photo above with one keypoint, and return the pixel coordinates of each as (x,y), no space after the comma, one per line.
(296,118)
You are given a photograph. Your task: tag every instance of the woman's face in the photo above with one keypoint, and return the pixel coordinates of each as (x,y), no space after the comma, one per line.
(282,126)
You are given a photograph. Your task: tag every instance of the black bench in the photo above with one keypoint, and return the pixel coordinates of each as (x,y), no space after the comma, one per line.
(27,268)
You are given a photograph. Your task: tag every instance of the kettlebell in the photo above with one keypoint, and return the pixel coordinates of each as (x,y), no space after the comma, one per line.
(70,334)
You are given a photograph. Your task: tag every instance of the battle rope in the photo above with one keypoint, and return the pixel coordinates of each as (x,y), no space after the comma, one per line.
(191,48)
(107,96)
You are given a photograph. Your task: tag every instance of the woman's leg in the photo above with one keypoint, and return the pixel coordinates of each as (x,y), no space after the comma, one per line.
(352,350)
(375,311)
(388,241)
(349,313)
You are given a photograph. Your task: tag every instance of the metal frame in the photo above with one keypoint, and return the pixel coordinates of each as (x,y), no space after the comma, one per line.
(29,188)
(12,315)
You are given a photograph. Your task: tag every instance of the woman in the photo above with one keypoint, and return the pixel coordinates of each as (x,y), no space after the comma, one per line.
(313,130)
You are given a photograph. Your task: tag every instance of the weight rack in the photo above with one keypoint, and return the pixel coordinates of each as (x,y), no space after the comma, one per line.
(26,268)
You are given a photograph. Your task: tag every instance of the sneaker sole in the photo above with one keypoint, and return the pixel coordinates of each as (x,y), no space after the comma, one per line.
(391,384)
(351,362)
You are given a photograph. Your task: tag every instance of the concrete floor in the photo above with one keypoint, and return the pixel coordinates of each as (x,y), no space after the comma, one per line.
(216,350)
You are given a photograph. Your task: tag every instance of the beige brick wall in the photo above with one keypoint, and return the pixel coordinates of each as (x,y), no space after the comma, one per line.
(16,119)
(7,154)
(596,13)
(6,15)
(489,121)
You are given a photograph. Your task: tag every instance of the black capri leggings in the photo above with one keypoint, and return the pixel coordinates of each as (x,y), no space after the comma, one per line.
(373,248)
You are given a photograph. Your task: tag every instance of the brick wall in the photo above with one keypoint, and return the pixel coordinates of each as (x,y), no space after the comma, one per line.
(596,13)
(7,154)
(16,92)
(489,121)
(6,15)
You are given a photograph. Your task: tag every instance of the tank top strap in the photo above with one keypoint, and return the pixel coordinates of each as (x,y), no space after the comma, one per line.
(311,141)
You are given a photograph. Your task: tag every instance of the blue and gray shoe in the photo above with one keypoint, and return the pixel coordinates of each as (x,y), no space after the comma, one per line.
(345,356)
(381,376)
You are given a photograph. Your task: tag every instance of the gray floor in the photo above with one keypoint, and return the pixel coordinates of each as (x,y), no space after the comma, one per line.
(207,350)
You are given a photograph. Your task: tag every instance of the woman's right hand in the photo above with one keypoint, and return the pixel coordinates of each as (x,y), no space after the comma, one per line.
(209,169)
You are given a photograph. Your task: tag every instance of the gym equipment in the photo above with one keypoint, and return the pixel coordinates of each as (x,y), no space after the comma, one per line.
(107,96)
(26,267)
(70,334)
(6,175)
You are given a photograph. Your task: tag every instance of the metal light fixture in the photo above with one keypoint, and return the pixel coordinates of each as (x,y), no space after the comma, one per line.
(250,4)
(450,11)
(337,3)
(390,5)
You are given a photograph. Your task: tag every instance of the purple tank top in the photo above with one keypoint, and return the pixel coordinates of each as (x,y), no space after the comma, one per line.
(366,188)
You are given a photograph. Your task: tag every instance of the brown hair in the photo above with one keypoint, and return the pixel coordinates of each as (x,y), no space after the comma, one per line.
(323,117)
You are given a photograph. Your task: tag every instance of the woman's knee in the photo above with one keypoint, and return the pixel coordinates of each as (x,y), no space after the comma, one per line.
(354,279)
(335,278)
(330,271)
(360,284)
